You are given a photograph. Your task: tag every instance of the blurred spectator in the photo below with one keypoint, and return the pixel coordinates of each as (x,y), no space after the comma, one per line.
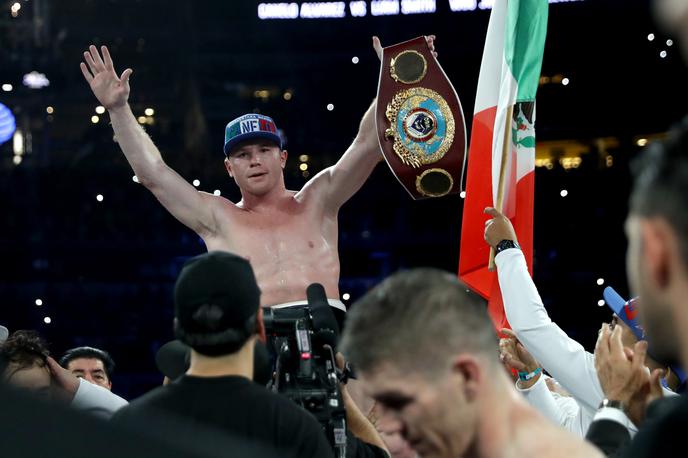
(33,429)
(91,364)
(25,363)
(672,16)
(657,264)
(425,348)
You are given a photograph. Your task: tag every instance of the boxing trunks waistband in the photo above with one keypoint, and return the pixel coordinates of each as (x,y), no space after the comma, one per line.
(336,303)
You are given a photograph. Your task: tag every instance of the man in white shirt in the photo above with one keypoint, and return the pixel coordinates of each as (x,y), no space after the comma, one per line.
(562,357)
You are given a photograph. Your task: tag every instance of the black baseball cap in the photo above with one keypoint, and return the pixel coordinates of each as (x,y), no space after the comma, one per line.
(216,293)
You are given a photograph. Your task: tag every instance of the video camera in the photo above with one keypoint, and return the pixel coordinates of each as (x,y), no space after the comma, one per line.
(303,341)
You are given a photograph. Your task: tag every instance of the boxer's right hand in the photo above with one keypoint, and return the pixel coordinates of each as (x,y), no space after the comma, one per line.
(110,90)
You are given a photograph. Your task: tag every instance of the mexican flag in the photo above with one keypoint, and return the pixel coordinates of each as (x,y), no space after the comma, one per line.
(508,81)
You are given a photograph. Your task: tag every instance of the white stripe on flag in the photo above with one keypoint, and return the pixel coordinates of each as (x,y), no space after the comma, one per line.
(493,56)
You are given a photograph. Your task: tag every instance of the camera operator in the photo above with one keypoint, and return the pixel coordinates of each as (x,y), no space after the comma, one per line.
(218,314)
(302,344)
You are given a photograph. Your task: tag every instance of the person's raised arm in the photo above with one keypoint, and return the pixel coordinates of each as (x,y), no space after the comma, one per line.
(342,180)
(183,201)
(565,359)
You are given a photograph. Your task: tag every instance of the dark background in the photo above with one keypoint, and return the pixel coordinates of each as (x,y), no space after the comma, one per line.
(104,270)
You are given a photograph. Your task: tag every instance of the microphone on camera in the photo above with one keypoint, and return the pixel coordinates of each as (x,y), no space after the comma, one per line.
(324,321)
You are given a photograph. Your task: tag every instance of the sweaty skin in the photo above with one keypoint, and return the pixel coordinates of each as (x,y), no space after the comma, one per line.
(289,245)
(290,238)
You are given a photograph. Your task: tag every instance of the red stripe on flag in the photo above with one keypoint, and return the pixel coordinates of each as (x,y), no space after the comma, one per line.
(474,252)
(523,224)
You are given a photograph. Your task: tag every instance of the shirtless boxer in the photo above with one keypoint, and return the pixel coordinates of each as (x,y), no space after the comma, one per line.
(289,237)
(426,352)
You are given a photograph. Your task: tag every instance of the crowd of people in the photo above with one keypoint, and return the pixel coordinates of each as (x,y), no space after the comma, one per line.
(432,377)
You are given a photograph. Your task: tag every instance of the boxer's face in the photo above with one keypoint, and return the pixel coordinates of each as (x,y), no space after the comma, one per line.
(256,166)
(433,414)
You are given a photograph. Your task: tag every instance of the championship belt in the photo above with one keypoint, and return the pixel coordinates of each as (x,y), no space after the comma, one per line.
(420,123)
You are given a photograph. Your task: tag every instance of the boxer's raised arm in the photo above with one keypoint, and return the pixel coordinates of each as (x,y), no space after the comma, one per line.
(338,183)
(183,201)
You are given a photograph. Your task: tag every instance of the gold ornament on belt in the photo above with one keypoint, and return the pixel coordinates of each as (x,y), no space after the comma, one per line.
(416,146)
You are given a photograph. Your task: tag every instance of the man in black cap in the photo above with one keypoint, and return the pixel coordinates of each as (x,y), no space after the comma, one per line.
(220,320)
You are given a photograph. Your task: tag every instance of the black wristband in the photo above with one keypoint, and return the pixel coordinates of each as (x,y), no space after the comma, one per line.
(505,245)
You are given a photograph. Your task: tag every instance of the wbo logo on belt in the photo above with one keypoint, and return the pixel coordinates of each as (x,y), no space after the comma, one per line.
(420,122)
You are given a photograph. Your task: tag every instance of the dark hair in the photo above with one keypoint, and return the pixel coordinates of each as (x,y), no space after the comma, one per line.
(661,183)
(23,349)
(417,320)
(90,352)
(211,339)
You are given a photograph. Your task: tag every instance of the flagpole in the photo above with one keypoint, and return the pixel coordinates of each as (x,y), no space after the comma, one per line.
(506,148)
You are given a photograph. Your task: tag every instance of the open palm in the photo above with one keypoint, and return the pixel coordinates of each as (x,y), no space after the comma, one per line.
(110,90)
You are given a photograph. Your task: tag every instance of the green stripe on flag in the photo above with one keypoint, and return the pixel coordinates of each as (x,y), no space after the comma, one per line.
(524,44)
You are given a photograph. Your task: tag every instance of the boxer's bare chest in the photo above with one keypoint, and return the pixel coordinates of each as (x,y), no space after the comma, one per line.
(288,247)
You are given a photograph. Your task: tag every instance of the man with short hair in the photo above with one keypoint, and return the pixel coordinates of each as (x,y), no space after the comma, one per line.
(427,353)
(289,237)
(657,229)
(91,364)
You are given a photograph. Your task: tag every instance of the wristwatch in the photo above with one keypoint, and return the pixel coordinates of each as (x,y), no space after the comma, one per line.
(611,403)
(505,245)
